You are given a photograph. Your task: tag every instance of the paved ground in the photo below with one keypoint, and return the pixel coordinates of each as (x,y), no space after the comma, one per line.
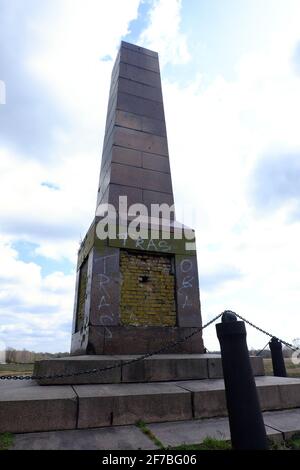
(279,425)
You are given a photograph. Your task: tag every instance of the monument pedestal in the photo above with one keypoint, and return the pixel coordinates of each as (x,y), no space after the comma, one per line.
(158,368)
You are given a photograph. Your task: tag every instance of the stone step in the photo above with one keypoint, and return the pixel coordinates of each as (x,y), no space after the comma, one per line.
(27,407)
(280,426)
(158,368)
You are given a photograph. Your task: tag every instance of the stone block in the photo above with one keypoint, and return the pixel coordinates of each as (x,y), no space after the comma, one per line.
(106,405)
(286,421)
(139,340)
(140,106)
(114,438)
(139,59)
(289,391)
(166,367)
(138,89)
(69,365)
(154,126)
(27,407)
(137,74)
(139,123)
(257,365)
(129,120)
(156,197)
(79,342)
(208,397)
(105,288)
(134,195)
(126,156)
(93,341)
(174,434)
(140,178)
(143,141)
(187,291)
(215,369)
(155,162)
(142,50)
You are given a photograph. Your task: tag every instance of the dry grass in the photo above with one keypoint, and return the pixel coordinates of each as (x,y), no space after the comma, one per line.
(15,369)
(293,370)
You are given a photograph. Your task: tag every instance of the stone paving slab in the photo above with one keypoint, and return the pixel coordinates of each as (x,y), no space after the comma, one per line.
(274,393)
(171,434)
(121,404)
(174,434)
(26,407)
(286,421)
(114,438)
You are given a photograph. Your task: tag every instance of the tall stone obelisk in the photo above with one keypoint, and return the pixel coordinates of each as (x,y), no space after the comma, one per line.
(135,295)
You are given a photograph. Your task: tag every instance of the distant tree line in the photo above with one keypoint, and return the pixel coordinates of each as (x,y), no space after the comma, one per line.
(28,357)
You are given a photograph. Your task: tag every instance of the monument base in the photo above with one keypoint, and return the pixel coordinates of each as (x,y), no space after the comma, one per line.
(134,340)
(158,368)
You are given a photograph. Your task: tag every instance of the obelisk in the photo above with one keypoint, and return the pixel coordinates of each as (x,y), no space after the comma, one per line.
(134,296)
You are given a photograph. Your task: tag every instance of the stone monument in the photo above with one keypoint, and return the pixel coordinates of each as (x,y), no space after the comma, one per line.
(134,295)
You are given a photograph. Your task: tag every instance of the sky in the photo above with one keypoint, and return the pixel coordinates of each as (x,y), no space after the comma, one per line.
(231,85)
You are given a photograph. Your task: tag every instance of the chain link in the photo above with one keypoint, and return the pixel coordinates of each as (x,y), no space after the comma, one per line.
(289,345)
(115,366)
(145,356)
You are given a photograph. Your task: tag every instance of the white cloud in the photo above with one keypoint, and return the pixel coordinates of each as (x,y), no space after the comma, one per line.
(69,57)
(35,311)
(163,33)
(67,41)
(217,134)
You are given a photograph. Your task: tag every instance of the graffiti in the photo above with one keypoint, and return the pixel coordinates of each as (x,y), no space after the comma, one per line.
(104,280)
(146,244)
(187,282)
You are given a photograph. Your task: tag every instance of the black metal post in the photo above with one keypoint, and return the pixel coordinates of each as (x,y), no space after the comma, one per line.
(245,418)
(279,369)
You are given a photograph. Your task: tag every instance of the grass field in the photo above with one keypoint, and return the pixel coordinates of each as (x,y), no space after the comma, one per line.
(293,370)
(13,369)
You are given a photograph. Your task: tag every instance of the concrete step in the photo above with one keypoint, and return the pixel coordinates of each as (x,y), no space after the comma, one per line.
(113,438)
(280,425)
(158,368)
(27,407)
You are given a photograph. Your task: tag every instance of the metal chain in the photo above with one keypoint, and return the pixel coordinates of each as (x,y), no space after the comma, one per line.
(262,350)
(145,356)
(289,345)
(115,366)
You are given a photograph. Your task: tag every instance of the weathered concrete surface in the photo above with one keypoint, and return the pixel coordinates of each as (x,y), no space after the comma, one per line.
(279,425)
(274,393)
(107,405)
(215,370)
(166,367)
(286,421)
(27,407)
(75,364)
(114,438)
(208,397)
(174,434)
(158,368)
